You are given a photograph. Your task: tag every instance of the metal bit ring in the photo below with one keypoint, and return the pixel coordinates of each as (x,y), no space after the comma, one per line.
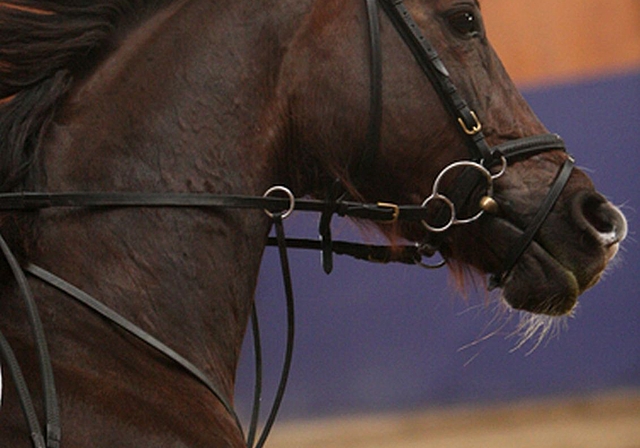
(292,202)
(452,210)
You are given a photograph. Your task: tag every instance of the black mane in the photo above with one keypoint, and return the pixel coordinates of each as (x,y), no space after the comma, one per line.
(44,46)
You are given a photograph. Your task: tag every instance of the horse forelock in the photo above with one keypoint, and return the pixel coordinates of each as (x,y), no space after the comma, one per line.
(46,45)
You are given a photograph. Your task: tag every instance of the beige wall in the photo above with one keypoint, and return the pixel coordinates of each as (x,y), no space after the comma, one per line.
(552,40)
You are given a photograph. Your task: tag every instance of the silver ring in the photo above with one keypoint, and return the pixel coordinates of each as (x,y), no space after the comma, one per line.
(469,163)
(479,167)
(290,196)
(452,209)
(503,168)
(469,220)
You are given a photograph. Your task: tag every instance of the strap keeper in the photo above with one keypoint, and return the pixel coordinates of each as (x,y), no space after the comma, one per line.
(324,227)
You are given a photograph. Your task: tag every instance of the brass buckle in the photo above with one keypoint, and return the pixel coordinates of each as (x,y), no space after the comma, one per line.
(394,207)
(475,128)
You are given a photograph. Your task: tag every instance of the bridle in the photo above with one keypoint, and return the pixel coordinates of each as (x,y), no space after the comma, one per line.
(482,157)
(485,165)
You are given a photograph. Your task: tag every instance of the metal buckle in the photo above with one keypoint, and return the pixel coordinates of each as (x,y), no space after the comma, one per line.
(393,207)
(477,127)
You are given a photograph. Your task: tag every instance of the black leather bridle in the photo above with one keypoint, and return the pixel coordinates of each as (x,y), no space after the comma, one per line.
(482,157)
(481,164)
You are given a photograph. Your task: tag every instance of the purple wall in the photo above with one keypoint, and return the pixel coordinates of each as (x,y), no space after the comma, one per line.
(380,338)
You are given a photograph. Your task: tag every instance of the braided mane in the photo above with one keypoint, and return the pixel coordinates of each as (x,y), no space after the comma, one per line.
(44,46)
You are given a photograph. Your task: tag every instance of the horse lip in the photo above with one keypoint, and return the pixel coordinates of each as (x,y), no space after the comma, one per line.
(562,303)
(611,250)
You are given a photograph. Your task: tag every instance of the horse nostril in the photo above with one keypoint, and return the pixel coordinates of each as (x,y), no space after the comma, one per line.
(599,218)
(595,213)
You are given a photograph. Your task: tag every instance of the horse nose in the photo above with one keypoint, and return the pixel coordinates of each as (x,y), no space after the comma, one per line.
(599,218)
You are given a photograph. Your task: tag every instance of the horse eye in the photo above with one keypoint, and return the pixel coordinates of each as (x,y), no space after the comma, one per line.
(464,23)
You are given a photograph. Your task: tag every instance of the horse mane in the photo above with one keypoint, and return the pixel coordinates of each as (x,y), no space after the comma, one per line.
(45,45)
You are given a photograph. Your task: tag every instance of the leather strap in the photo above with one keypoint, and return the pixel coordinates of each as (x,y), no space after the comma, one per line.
(372,142)
(366,252)
(109,314)
(530,232)
(429,61)
(530,146)
(52,410)
(112,316)
(288,356)
(31,201)
(24,396)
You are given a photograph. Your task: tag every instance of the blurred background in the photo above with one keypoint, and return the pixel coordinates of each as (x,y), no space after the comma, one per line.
(393,356)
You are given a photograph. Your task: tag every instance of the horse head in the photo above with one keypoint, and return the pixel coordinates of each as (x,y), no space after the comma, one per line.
(330,108)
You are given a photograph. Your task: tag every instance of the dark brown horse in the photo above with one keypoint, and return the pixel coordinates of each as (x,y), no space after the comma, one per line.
(202,96)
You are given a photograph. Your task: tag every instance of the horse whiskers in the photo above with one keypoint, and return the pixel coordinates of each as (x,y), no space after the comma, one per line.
(530,328)
(28,9)
(487,333)
(536,328)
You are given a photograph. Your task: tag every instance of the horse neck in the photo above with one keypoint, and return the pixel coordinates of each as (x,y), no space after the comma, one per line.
(164,113)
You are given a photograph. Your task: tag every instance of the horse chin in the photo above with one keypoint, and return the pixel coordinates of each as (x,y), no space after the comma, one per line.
(539,283)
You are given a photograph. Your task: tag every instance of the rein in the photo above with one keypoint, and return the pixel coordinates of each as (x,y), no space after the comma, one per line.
(441,204)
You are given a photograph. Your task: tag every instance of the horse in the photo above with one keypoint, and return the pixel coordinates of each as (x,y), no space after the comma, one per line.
(346,103)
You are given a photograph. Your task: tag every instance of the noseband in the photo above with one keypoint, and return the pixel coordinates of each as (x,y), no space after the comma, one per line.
(485,162)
